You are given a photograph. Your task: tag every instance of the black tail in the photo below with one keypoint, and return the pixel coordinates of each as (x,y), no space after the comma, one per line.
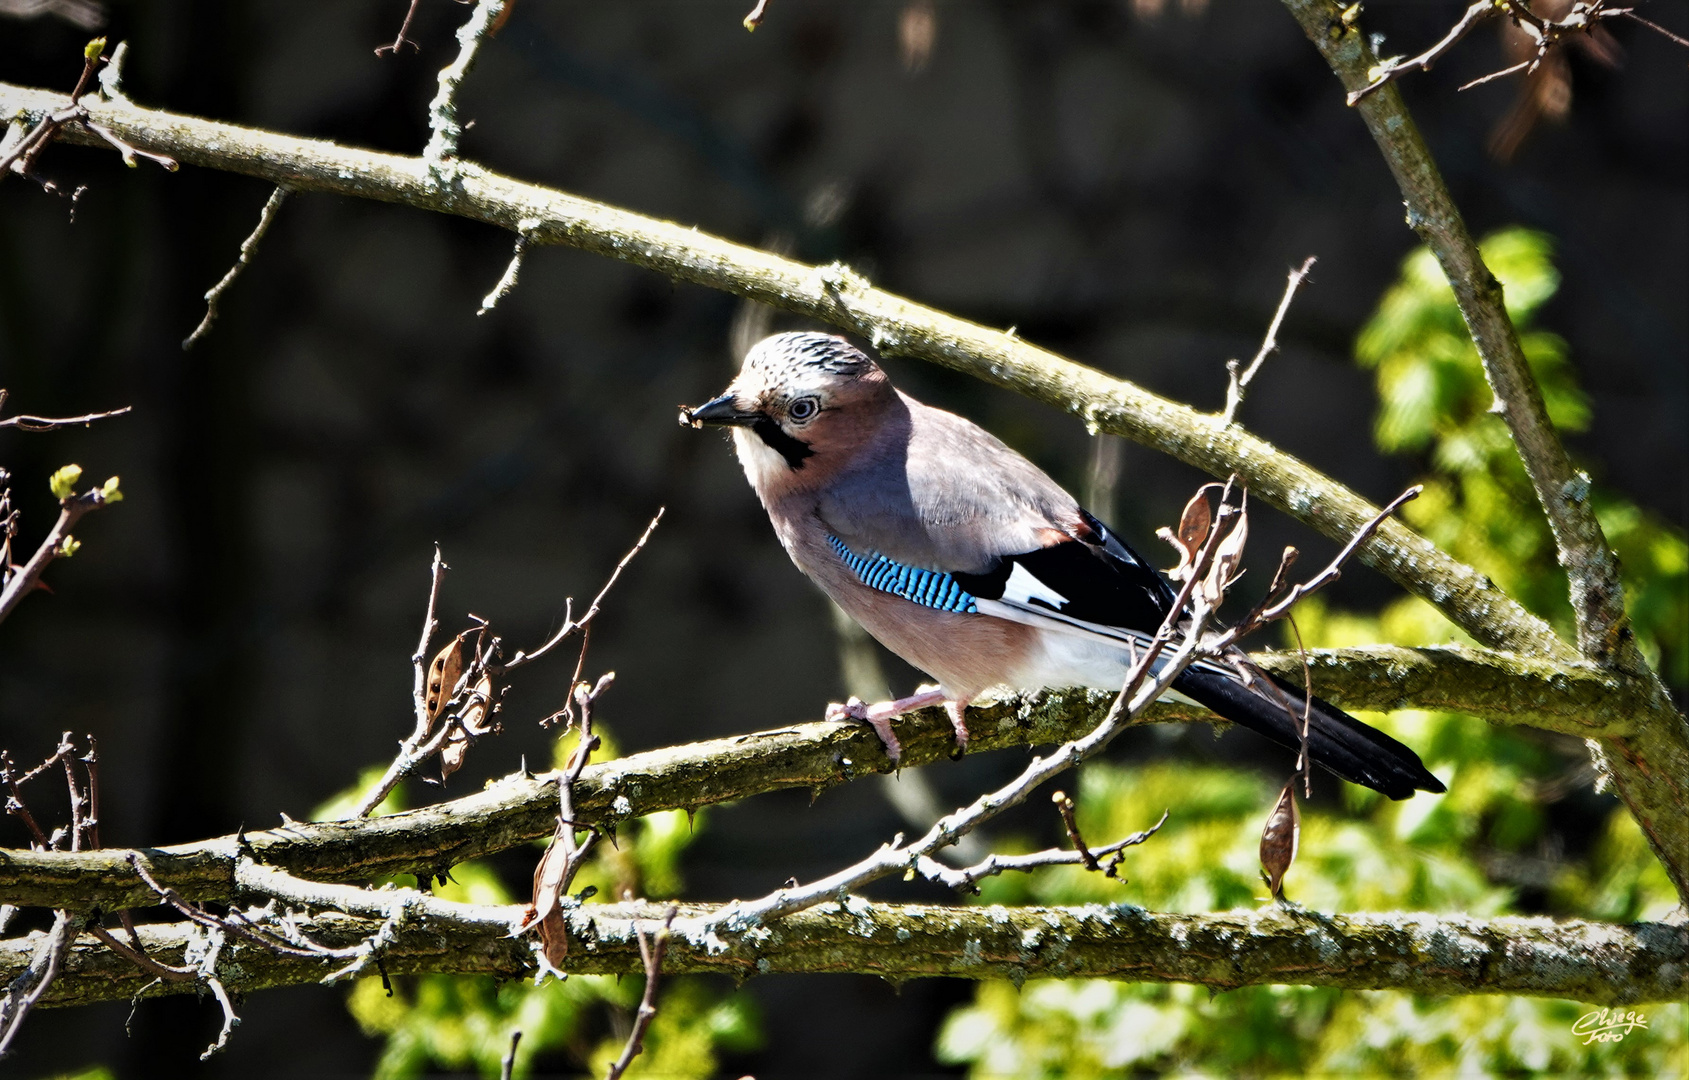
(1336,741)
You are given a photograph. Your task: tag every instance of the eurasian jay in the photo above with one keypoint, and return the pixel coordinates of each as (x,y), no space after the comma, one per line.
(966,560)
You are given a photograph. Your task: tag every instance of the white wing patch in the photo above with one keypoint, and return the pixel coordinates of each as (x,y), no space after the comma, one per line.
(1127,644)
(1023,588)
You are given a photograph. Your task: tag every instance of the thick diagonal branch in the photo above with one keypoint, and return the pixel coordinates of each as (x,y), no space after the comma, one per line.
(895,325)
(1651,768)
(1592,569)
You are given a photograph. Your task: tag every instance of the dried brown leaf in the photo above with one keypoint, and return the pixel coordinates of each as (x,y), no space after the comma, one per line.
(1194,525)
(453,753)
(548,896)
(1228,557)
(443,674)
(1280,837)
(480,706)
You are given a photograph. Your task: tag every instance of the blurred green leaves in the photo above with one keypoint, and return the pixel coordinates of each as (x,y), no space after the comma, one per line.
(1478,504)
(1479,849)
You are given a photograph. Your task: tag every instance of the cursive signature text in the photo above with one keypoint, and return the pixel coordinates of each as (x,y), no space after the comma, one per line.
(1608,1025)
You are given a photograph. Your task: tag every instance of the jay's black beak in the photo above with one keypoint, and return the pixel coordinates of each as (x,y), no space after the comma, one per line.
(720,411)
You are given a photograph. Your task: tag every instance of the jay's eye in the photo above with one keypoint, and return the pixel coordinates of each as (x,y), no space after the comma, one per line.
(803,409)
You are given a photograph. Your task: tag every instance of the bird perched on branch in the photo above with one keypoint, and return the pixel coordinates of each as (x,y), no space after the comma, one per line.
(965,559)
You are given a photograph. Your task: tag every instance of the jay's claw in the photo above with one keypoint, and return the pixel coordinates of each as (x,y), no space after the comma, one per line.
(956,709)
(854,709)
(878,717)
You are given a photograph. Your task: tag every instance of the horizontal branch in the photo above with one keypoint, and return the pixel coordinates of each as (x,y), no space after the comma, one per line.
(1428,954)
(1574,699)
(895,325)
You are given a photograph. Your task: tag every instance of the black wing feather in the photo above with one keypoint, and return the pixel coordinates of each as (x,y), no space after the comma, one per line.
(1107,583)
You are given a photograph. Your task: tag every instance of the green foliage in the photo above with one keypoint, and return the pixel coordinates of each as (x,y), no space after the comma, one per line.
(458,1022)
(1478,503)
(1439,853)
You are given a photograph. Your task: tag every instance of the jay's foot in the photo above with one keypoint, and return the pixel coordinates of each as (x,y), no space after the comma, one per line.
(880,716)
(956,708)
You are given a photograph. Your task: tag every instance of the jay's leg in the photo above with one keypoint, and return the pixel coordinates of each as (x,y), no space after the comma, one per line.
(956,708)
(880,716)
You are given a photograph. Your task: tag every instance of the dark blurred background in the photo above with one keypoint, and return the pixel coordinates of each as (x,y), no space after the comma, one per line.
(1126,183)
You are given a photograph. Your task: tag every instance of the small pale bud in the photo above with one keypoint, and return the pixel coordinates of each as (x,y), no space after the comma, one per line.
(109,491)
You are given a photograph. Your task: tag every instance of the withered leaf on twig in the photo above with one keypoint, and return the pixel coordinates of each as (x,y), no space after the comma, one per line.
(443,674)
(476,711)
(1194,525)
(549,884)
(1279,838)
(1228,556)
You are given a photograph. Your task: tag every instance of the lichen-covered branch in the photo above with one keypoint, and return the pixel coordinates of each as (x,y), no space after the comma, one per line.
(895,325)
(1650,769)
(1428,954)
(1581,700)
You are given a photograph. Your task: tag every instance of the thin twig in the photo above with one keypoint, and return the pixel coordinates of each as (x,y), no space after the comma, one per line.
(25,422)
(229,1017)
(1334,569)
(1656,27)
(57,544)
(1238,383)
(507,280)
(443,127)
(508,1068)
(966,878)
(138,956)
(1502,74)
(754,19)
(416,748)
(401,40)
(652,954)
(30,146)
(25,990)
(248,248)
(1064,807)
(564,856)
(570,624)
(14,786)
(1393,70)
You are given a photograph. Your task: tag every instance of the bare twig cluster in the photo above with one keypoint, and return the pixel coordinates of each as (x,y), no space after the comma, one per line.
(20,154)
(16,581)
(1545,33)
(24,990)
(455,695)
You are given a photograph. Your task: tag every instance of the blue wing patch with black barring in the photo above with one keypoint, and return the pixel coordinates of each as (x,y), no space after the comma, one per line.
(929,588)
